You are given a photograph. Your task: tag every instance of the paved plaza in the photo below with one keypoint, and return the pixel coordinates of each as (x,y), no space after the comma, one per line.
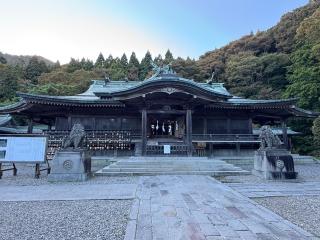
(199,207)
(66,192)
(164,207)
(277,189)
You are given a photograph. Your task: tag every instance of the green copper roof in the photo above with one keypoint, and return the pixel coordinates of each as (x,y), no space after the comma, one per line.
(4,119)
(100,86)
(238,100)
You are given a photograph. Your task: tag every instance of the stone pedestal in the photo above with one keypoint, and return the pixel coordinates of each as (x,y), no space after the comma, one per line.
(70,165)
(264,167)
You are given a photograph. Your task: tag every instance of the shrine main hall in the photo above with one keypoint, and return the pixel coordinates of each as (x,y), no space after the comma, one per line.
(165,114)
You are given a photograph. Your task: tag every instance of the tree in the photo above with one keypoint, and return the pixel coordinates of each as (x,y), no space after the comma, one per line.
(60,82)
(316,132)
(168,58)
(134,60)
(56,65)
(116,71)
(274,69)
(145,65)
(158,60)
(73,65)
(108,61)
(124,63)
(86,64)
(243,71)
(309,30)
(304,77)
(34,69)
(133,67)
(8,82)
(304,73)
(3,60)
(100,62)
(186,68)
(316,136)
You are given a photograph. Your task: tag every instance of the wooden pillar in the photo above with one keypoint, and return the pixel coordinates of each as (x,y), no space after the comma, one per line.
(143,131)
(228,125)
(238,148)
(284,133)
(189,131)
(250,125)
(69,122)
(30,125)
(205,126)
(94,124)
(289,144)
(211,150)
(205,131)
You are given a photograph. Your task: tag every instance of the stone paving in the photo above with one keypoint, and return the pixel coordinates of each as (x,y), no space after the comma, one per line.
(201,208)
(68,192)
(277,189)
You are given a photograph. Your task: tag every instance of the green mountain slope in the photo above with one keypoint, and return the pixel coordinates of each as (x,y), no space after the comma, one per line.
(22,59)
(257,65)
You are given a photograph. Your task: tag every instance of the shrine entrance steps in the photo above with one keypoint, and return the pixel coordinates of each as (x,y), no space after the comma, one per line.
(171,166)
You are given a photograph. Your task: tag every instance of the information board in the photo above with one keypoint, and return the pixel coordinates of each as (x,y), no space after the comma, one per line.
(23,149)
(166,149)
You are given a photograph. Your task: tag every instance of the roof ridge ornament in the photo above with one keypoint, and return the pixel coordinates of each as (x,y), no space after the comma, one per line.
(161,70)
(106,79)
(212,79)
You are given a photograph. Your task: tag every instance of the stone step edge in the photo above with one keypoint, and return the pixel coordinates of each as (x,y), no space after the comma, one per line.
(210,173)
(165,170)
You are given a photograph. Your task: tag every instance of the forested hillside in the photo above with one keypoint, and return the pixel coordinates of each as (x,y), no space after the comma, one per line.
(281,62)
(22,59)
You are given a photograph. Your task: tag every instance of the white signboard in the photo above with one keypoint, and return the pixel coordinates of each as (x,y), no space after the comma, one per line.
(166,149)
(23,149)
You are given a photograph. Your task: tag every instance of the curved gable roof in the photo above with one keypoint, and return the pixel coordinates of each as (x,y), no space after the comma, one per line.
(123,88)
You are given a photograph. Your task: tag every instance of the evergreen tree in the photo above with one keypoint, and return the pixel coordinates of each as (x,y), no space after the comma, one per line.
(304,73)
(88,65)
(124,62)
(8,82)
(83,63)
(134,60)
(34,69)
(73,65)
(133,67)
(116,71)
(100,62)
(186,68)
(158,60)
(108,61)
(145,66)
(168,57)
(56,65)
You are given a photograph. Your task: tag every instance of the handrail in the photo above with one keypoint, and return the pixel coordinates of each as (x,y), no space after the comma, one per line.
(225,137)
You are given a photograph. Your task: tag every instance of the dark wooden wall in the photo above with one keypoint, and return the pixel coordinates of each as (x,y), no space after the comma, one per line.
(100,122)
(215,123)
(221,125)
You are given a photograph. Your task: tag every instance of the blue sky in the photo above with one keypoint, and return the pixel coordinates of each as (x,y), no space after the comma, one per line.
(61,29)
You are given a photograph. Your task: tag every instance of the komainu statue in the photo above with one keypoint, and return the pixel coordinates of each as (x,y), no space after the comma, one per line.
(268,138)
(75,137)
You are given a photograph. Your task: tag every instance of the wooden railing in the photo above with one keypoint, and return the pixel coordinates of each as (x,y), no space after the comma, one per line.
(124,140)
(94,140)
(250,138)
(174,150)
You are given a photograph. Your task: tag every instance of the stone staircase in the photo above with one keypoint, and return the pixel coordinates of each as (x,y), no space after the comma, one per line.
(170,166)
